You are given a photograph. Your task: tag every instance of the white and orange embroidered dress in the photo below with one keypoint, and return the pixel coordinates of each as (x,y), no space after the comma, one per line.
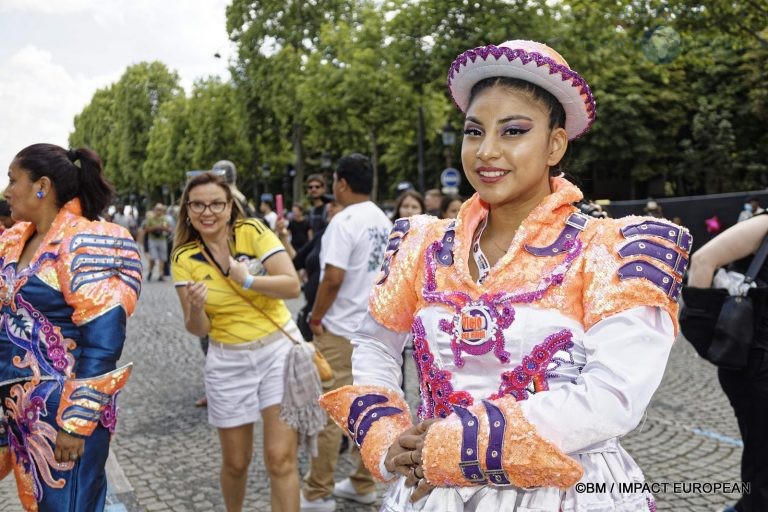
(563,345)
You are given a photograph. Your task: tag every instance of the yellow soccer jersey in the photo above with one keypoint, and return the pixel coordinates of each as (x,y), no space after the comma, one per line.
(232,319)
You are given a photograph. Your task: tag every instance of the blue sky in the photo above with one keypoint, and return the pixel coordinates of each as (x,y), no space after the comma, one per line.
(56,53)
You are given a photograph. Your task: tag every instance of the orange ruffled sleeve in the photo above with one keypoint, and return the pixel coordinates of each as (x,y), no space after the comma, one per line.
(492,443)
(374,416)
(632,262)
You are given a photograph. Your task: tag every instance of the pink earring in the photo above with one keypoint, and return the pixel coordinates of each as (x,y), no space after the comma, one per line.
(39,194)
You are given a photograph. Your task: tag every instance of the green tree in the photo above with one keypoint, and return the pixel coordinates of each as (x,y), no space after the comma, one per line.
(274,40)
(138,96)
(93,126)
(355,99)
(169,147)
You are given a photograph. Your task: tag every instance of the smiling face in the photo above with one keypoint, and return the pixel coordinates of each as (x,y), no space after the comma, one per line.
(20,194)
(210,222)
(508,147)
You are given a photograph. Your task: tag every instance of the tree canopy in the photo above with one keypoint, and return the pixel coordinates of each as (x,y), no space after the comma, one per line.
(319,79)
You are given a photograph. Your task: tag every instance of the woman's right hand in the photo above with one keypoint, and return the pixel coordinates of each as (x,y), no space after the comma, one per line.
(405,452)
(282,229)
(197,293)
(405,457)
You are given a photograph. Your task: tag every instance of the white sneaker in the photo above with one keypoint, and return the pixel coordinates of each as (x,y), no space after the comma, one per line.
(318,505)
(346,490)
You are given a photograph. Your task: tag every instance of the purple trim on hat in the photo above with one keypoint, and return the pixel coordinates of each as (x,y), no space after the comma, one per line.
(644,270)
(360,404)
(525,57)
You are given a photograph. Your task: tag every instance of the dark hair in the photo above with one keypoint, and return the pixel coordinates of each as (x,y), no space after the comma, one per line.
(85,181)
(185,232)
(357,171)
(552,104)
(409,193)
(543,96)
(446,201)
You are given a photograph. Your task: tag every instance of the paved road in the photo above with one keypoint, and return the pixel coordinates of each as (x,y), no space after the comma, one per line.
(169,455)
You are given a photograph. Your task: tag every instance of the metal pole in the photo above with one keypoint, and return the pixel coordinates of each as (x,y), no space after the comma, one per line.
(420,137)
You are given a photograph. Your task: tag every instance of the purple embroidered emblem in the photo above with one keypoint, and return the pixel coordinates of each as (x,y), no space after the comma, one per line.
(478,324)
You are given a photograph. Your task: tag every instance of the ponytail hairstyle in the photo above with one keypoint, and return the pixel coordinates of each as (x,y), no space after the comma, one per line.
(85,181)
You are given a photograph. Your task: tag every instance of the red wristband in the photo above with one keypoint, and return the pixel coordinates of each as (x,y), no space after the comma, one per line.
(315,321)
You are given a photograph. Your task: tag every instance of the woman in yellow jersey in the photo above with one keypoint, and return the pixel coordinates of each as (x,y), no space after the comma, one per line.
(244,365)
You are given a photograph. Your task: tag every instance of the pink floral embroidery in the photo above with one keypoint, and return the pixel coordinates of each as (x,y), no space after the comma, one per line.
(437,393)
(536,367)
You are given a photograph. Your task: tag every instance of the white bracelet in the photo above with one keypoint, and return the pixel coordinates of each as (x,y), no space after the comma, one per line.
(248,282)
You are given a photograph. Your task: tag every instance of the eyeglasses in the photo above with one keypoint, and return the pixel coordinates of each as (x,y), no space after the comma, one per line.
(199,206)
(313,187)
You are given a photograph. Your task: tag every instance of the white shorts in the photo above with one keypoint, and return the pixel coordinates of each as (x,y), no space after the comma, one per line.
(158,249)
(240,382)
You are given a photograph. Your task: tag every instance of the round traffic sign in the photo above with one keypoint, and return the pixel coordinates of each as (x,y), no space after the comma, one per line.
(450,177)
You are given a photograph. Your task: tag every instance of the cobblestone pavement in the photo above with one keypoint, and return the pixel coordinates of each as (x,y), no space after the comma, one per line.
(170,455)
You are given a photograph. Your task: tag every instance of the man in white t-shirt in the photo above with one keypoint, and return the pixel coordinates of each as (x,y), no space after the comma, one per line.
(352,250)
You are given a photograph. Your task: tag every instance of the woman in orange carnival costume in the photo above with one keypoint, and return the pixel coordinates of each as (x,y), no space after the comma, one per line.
(67,284)
(539,334)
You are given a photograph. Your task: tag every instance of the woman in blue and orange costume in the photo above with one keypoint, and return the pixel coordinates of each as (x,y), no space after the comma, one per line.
(540,334)
(68,283)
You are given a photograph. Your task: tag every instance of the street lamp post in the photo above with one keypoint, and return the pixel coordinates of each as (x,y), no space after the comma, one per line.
(420,149)
(265,177)
(449,139)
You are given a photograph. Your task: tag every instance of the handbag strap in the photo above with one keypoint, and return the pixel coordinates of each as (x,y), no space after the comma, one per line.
(227,280)
(757,262)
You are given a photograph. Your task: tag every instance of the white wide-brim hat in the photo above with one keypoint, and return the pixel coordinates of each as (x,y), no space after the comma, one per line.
(530,61)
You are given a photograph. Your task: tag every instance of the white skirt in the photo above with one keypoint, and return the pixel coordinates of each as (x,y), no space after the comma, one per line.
(607,464)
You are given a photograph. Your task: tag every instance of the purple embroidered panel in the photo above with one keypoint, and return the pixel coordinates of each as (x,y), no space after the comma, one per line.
(478,324)
(438,395)
(537,367)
